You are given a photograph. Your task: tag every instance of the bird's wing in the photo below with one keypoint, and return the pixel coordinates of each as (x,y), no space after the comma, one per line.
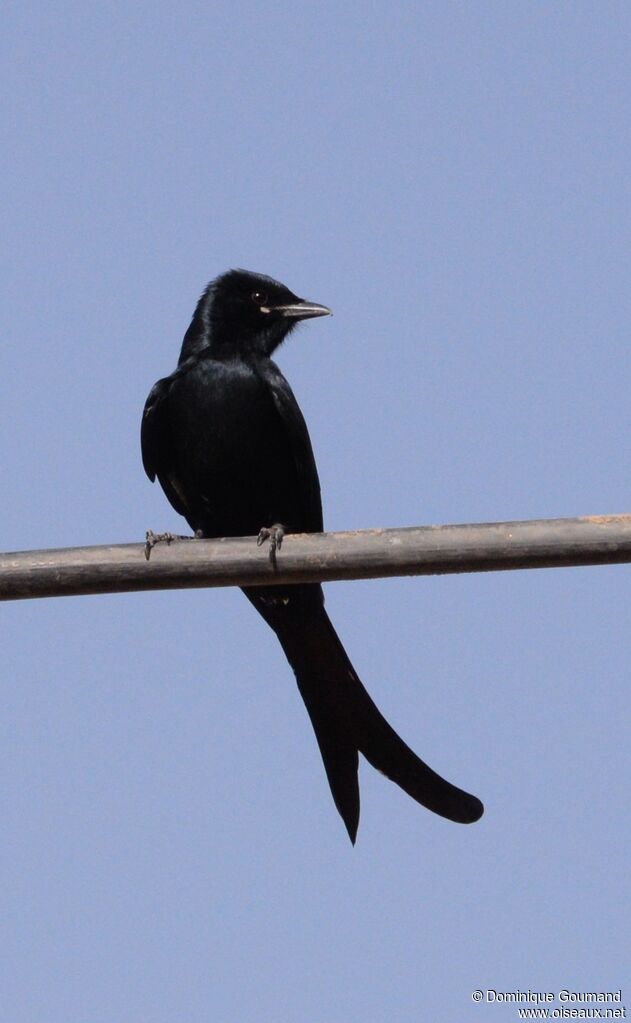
(154,434)
(295,430)
(156,444)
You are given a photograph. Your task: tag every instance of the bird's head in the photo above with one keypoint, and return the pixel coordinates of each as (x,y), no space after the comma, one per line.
(245,311)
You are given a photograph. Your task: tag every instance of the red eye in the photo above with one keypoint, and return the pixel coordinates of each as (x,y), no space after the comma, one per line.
(260,297)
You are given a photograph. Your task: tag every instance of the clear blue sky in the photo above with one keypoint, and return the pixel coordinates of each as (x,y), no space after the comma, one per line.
(453,180)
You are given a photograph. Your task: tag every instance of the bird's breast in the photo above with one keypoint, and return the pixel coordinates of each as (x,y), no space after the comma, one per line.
(233,458)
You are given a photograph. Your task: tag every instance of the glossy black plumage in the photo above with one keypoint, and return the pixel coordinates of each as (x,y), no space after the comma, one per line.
(226,439)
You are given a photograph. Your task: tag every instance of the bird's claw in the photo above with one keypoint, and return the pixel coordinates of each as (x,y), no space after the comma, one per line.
(152,539)
(275,536)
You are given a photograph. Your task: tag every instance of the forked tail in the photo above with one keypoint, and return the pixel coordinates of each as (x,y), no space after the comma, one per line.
(344,718)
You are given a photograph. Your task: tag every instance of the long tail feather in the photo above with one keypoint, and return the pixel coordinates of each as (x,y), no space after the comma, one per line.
(344,717)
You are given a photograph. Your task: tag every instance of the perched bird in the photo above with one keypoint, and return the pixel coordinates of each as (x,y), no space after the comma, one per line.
(226,439)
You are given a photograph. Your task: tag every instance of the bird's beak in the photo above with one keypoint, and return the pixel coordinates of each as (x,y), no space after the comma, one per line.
(301,310)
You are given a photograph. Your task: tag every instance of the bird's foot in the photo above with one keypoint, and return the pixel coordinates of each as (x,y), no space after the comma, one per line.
(275,536)
(152,539)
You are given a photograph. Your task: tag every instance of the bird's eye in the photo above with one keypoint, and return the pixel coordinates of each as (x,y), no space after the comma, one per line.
(260,297)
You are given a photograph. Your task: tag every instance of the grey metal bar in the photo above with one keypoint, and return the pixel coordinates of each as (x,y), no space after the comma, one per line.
(318,557)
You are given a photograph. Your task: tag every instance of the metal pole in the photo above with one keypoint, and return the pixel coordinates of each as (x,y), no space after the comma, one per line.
(318,557)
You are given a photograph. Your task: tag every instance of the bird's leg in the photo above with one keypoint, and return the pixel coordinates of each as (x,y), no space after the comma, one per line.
(152,539)
(275,536)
